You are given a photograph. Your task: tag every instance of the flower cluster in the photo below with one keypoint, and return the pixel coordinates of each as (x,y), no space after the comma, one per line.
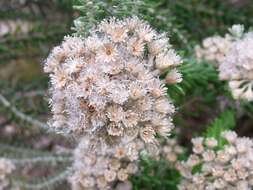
(108,83)
(106,90)
(228,168)
(99,166)
(171,150)
(6,168)
(233,57)
(237,68)
(214,49)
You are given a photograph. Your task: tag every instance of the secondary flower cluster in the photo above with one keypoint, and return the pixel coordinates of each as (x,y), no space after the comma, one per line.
(237,67)
(213,49)
(227,168)
(109,83)
(233,56)
(171,150)
(99,166)
(6,168)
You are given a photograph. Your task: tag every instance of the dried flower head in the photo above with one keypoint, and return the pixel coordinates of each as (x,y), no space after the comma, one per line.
(228,168)
(108,83)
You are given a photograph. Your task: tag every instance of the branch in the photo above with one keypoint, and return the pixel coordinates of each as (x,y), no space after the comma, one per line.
(51,181)
(5,148)
(21,115)
(29,36)
(32,160)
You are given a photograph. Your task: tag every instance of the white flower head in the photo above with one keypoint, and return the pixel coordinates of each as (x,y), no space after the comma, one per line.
(237,67)
(173,77)
(213,49)
(229,167)
(167,59)
(105,90)
(107,82)
(99,166)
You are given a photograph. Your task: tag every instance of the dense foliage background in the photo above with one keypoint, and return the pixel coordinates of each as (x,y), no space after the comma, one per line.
(30,28)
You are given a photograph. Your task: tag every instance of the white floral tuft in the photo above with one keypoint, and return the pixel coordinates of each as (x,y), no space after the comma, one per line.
(226,168)
(99,166)
(106,90)
(233,56)
(108,83)
(213,49)
(171,150)
(237,68)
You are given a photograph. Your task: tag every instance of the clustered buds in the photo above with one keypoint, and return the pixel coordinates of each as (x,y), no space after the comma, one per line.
(6,168)
(171,150)
(228,168)
(233,56)
(108,83)
(214,49)
(99,166)
(237,68)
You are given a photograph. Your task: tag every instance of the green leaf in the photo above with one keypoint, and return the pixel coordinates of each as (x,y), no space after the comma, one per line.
(226,121)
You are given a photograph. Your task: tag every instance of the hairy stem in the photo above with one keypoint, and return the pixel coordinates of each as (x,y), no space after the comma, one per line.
(21,115)
(45,183)
(33,160)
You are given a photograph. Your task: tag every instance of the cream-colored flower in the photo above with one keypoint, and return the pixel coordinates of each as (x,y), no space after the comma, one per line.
(110,175)
(147,134)
(158,45)
(230,136)
(106,53)
(131,119)
(132,168)
(114,164)
(173,77)
(145,32)
(115,129)
(136,47)
(122,175)
(227,168)
(167,59)
(101,182)
(208,155)
(211,142)
(119,33)
(164,106)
